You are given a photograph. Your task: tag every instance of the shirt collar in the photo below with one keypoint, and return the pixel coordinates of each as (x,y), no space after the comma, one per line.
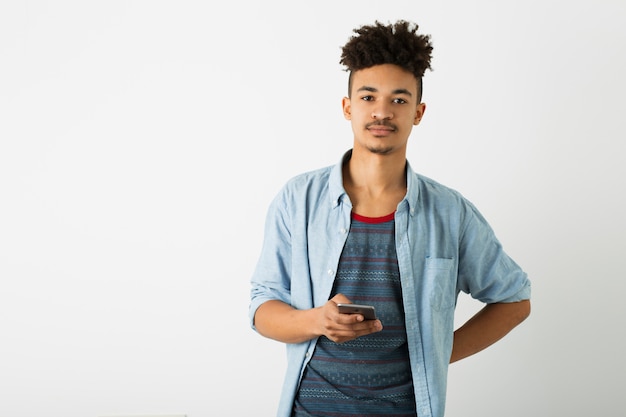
(412,190)
(335,182)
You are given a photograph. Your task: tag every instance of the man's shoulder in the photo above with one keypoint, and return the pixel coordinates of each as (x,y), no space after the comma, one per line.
(443,199)
(430,187)
(305,190)
(316,177)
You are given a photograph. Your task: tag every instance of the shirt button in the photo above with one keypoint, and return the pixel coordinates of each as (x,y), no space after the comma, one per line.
(343,230)
(331,272)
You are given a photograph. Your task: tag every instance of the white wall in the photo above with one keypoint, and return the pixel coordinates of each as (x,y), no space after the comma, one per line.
(141,142)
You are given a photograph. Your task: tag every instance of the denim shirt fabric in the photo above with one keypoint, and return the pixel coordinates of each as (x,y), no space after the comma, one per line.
(444,246)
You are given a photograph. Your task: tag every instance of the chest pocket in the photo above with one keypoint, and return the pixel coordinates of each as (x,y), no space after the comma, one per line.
(440,275)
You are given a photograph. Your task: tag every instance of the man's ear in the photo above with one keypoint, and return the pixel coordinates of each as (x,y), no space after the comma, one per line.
(419,113)
(345,104)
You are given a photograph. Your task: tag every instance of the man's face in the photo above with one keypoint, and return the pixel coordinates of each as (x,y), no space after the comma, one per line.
(383,108)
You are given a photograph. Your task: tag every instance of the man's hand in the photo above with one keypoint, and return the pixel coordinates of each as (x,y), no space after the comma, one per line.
(340,327)
(282,322)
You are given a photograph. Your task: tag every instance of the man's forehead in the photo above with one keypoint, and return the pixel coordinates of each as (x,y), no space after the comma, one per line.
(386,76)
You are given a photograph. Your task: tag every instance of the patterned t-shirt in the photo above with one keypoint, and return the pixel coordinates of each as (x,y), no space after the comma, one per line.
(370,375)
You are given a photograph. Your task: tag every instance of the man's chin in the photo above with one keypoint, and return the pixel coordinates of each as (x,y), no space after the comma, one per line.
(386,150)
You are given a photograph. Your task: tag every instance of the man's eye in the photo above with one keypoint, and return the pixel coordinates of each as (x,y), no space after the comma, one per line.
(367,98)
(399,101)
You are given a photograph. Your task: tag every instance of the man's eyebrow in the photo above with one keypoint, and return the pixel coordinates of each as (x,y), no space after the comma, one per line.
(367,88)
(396,91)
(402,91)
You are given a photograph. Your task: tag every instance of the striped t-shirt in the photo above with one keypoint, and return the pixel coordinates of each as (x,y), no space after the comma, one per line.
(370,375)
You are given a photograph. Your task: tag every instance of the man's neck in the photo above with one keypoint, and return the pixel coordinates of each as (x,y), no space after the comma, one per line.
(375,183)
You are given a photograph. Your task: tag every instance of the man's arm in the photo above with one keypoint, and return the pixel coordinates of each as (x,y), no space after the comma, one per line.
(488,326)
(279,321)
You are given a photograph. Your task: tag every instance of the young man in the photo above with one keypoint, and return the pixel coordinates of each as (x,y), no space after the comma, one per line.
(369,230)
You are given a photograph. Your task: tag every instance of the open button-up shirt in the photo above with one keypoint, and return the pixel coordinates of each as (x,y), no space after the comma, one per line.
(444,246)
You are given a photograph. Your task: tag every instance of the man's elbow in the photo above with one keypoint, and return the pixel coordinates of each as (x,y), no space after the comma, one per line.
(522,311)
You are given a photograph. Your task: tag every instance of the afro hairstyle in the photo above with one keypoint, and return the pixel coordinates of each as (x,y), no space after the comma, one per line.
(398,44)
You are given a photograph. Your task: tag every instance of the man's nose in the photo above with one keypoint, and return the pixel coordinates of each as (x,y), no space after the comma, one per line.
(382,112)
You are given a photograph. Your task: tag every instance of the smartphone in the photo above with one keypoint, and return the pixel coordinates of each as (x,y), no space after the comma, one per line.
(368,312)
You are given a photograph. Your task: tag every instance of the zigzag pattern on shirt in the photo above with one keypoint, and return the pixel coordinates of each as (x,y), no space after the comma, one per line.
(367,275)
(375,368)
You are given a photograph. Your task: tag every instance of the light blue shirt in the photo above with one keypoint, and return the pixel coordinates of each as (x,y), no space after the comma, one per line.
(444,246)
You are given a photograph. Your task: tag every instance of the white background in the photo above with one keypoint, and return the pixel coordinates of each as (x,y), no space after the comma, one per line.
(141,143)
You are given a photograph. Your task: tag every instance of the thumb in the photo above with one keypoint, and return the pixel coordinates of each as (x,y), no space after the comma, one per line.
(340,298)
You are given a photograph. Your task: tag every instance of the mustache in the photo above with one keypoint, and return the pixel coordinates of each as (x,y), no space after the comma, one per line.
(385,123)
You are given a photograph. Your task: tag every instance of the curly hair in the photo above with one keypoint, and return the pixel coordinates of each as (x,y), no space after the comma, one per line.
(397,43)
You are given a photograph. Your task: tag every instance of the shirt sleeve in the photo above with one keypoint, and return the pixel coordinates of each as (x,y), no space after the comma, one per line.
(271,277)
(486,272)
